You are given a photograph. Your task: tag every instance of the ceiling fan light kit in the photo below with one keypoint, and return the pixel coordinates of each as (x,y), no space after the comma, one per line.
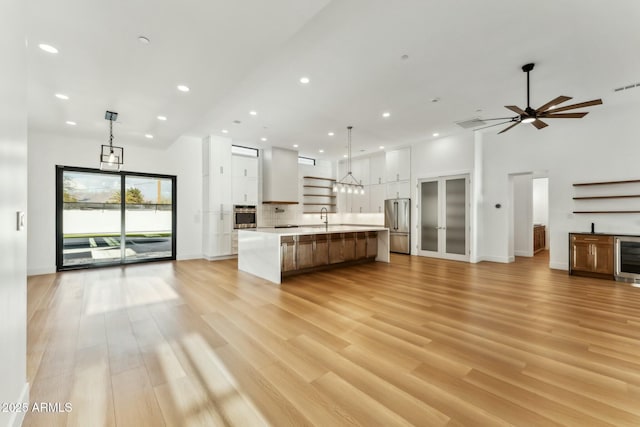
(550,110)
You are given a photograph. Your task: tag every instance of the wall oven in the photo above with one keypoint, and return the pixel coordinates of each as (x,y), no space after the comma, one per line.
(245,216)
(627,259)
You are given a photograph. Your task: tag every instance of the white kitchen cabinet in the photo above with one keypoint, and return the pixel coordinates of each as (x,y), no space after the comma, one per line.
(377,169)
(360,202)
(217,201)
(398,165)
(244,183)
(360,170)
(377,195)
(398,190)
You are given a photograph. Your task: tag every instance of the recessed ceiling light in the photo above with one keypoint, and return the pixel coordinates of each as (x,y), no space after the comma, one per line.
(253,113)
(304,80)
(48,48)
(263,139)
(295,145)
(162,118)
(381,147)
(183,88)
(70,123)
(344,155)
(225,131)
(331,134)
(321,151)
(386,114)
(148,136)
(436,134)
(143,40)
(62,96)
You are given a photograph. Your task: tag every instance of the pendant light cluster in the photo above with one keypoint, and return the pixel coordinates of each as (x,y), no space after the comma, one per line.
(348,184)
(111,157)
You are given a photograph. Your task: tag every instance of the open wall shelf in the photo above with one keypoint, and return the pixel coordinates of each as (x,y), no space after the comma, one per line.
(317,194)
(617,189)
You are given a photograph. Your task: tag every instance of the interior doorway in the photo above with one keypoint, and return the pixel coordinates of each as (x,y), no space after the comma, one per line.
(529,214)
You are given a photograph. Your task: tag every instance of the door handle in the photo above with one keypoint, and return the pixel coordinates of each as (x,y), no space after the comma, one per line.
(395,208)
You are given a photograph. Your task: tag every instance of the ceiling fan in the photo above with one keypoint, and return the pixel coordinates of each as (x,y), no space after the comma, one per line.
(550,110)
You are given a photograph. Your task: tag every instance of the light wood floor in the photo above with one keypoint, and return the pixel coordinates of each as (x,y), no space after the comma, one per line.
(420,341)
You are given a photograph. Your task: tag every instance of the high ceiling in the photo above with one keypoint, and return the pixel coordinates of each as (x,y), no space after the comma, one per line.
(250,54)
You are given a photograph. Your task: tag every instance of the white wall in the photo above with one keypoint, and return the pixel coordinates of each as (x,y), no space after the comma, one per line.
(600,147)
(452,155)
(13,198)
(182,158)
(522,215)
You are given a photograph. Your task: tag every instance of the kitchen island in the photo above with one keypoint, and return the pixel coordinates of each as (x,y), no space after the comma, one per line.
(273,253)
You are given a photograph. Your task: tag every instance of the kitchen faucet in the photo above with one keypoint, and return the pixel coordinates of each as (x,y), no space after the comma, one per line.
(326,218)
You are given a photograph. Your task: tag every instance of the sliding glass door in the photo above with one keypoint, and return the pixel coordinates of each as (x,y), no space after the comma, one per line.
(96,226)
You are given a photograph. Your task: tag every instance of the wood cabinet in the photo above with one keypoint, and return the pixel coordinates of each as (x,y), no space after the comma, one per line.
(539,238)
(591,255)
(288,253)
(336,248)
(349,248)
(372,244)
(321,251)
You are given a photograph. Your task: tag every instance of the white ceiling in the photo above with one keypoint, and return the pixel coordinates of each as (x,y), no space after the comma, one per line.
(249,55)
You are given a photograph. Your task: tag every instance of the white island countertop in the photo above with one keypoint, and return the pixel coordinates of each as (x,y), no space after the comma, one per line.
(318,229)
(260,252)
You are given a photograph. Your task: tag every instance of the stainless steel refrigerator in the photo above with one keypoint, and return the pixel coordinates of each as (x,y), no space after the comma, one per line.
(397,218)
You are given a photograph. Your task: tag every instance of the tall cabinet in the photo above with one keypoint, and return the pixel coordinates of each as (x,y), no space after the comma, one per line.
(244,183)
(398,173)
(216,197)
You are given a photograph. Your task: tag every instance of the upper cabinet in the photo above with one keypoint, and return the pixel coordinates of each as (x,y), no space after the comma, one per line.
(217,197)
(244,183)
(377,169)
(398,165)
(280,176)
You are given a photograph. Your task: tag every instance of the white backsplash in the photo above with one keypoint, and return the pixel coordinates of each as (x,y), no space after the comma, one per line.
(267,217)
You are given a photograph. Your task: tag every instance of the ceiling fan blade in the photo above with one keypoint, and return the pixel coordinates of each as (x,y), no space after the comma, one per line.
(495,124)
(507,128)
(550,115)
(580,105)
(511,119)
(539,124)
(515,109)
(556,101)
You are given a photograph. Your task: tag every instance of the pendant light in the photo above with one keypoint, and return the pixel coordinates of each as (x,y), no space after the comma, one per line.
(348,183)
(111,157)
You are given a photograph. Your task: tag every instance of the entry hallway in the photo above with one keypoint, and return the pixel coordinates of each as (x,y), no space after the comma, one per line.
(419,341)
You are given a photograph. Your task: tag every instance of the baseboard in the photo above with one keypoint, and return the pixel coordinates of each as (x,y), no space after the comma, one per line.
(220,258)
(501,259)
(559,266)
(523,253)
(188,257)
(17,417)
(39,271)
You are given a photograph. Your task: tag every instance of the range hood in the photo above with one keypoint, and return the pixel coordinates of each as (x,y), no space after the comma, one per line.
(280,176)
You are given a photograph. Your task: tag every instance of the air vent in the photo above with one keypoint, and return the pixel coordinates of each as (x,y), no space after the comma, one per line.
(468,124)
(627,87)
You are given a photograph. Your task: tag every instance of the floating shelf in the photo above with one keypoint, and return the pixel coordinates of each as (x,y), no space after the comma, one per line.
(317,186)
(604,212)
(317,177)
(628,196)
(317,212)
(630,181)
(319,204)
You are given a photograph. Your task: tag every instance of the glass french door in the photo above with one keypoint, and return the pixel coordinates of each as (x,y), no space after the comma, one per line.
(444,217)
(96,225)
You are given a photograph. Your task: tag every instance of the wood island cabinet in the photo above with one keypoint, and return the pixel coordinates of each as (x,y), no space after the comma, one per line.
(591,255)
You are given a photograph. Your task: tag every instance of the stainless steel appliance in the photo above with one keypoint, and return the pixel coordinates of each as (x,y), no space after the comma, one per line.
(245,216)
(397,218)
(627,258)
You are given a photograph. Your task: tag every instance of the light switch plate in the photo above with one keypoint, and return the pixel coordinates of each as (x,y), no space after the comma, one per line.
(20,220)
